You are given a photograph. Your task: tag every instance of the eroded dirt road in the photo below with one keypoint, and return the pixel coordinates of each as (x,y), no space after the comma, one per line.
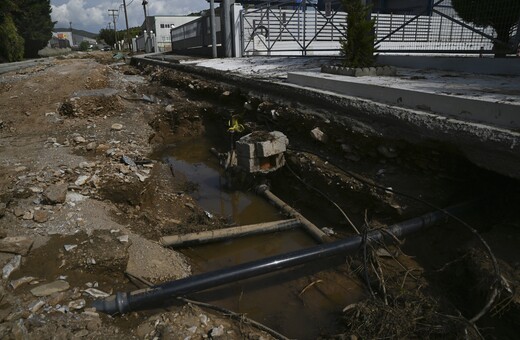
(84,197)
(81,204)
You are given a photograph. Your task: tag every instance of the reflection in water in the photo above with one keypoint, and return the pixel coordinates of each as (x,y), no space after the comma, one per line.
(194,160)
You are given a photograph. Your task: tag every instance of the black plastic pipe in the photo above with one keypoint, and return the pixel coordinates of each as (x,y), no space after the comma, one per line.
(124,302)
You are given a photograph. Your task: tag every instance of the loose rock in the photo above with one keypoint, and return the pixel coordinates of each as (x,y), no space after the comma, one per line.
(116,127)
(40,216)
(18,211)
(11,266)
(79,140)
(2,209)
(16,245)
(50,288)
(90,146)
(82,180)
(96,293)
(28,215)
(55,194)
(77,304)
(217,331)
(21,281)
(35,306)
(169,108)
(319,135)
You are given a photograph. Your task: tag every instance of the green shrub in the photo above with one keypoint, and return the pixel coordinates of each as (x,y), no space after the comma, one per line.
(11,43)
(358,49)
(84,45)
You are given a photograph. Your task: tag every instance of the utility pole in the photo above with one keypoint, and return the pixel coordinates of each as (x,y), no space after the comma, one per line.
(225,6)
(71,34)
(113,13)
(147,27)
(109,25)
(213,28)
(127,38)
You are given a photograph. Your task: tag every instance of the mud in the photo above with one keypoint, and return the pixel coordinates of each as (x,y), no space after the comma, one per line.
(131,145)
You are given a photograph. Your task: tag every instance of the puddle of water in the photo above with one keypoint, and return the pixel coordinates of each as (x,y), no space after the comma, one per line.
(194,160)
(275,299)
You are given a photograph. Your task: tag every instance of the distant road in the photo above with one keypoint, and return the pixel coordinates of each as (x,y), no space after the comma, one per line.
(8,67)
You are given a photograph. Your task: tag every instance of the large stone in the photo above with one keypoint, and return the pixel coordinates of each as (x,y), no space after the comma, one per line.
(16,245)
(55,194)
(155,263)
(50,288)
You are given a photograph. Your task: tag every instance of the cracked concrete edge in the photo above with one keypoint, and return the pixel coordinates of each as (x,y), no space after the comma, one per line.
(489,147)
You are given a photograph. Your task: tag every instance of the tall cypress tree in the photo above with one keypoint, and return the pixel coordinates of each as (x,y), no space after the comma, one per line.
(35,25)
(358,48)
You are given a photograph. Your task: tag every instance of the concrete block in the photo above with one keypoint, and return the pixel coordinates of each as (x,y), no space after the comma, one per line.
(248,164)
(359,72)
(244,148)
(386,71)
(276,145)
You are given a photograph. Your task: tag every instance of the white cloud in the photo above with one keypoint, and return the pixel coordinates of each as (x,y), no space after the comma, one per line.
(92,15)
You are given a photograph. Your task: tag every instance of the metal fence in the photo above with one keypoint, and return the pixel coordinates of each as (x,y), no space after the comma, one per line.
(289,27)
(312,28)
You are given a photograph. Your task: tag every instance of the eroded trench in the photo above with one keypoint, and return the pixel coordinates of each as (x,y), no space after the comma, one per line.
(428,286)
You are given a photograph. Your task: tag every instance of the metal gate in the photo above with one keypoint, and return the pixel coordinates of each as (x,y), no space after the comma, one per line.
(291,28)
(304,28)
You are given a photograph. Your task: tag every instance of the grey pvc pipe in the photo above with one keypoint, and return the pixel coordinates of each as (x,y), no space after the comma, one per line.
(315,232)
(124,302)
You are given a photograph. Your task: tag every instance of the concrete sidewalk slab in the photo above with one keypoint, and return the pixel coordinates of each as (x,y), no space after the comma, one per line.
(493,112)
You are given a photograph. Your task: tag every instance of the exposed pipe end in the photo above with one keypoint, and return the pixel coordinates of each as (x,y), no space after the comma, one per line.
(115,304)
(261,188)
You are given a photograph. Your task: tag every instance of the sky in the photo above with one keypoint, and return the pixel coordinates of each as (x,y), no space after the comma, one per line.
(93,15)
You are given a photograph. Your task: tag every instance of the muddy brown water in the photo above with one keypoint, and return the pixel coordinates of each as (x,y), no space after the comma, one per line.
(301,303)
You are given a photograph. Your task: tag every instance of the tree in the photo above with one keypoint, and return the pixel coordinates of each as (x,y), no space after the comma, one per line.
(358,48)
(35,25)
(11,43)
(502,15)
(107,36)
(84,45)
